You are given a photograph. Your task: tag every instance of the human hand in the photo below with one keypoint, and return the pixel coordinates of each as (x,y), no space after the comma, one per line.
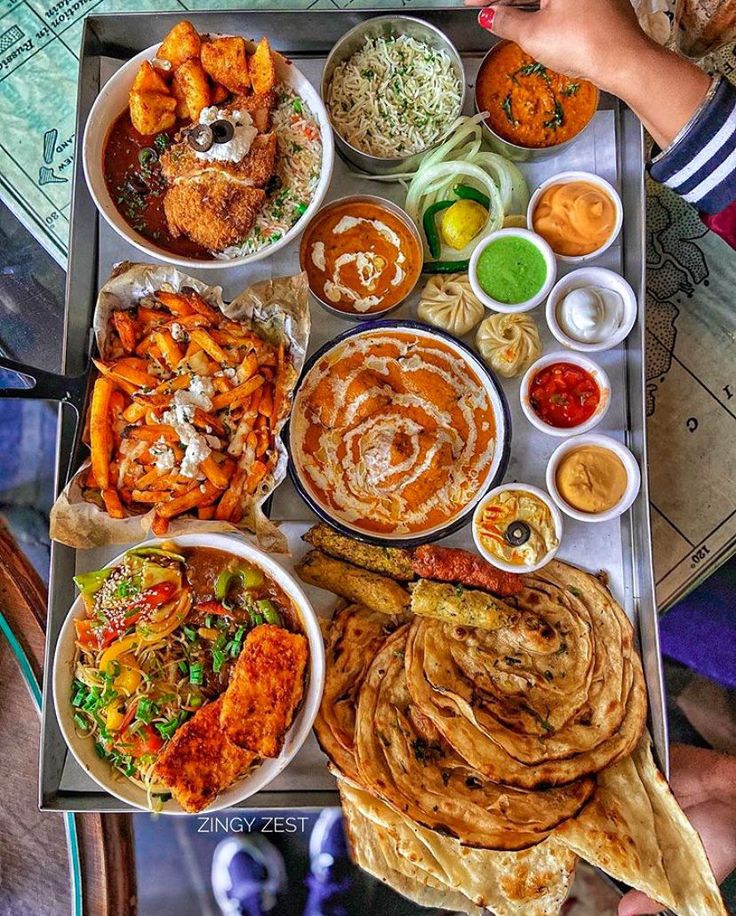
(704,783)
(601,41)
(594,40)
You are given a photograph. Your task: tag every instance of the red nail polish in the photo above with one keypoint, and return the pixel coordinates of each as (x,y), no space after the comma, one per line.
(486,17)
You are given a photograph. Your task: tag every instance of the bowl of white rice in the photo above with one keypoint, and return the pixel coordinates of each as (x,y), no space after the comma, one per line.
(393,87)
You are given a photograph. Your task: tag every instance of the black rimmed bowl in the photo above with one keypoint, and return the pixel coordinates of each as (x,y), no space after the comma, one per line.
(493,476)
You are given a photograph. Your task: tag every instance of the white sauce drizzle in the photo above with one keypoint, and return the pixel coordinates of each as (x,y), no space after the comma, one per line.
(382,445)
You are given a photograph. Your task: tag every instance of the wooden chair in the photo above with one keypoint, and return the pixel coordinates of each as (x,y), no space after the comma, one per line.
(37,872)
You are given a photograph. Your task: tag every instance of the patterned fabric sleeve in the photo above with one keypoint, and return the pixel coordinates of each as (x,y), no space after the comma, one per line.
(700,164)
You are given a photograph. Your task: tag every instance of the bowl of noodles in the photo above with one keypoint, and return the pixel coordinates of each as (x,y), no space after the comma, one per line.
(394,87)
(188,673)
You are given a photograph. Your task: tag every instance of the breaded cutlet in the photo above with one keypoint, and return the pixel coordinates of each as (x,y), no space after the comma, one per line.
(265,689)
(212,210)
(259,105)
(200,760)
(256,168)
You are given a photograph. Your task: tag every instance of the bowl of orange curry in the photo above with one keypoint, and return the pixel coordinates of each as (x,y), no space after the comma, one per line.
(397,432)
(362,256)
(532,111)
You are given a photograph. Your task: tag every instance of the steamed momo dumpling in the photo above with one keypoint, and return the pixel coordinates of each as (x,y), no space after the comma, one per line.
(509,343)
(448,302)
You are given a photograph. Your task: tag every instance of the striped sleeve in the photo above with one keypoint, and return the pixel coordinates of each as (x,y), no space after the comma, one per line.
(700,164)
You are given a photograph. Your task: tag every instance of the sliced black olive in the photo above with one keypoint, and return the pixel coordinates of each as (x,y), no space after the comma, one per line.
(518,533)
(222,131)
(200,138)
(272,185)
(147,156)
(137,184)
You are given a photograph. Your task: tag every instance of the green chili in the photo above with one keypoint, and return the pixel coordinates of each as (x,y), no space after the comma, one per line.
(268,610)
(445,267)
(466,192)
(430,226)
(247,577)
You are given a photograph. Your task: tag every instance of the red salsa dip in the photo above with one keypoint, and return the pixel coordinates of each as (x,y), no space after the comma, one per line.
(564,395)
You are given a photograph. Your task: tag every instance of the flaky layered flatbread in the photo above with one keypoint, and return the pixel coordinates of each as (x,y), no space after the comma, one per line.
(403,759)
(553,697)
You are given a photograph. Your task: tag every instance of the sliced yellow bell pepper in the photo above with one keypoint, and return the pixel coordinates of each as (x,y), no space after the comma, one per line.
(114,717)
(116,649)
(130,675)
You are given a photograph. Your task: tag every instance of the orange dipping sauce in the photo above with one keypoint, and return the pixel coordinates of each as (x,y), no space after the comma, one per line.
(575,217)
(528,104)
(360,257)
(393,432)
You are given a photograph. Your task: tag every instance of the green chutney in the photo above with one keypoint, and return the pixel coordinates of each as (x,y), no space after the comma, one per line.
(511,270)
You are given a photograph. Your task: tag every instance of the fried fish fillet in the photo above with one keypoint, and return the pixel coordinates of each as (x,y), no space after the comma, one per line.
(391,561)
(266,687)
(361,586)
(214,211)
(200,760)
(453,564)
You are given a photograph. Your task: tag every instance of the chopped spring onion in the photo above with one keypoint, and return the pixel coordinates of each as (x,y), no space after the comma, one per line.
(196,673)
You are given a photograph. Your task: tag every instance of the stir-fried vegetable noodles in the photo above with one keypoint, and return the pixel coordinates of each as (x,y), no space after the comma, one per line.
(161,636)
(394,96)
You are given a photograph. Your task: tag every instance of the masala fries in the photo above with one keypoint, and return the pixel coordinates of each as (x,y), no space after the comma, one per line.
(183,415)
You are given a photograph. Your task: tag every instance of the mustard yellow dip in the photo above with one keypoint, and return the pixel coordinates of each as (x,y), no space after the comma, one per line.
(591,479)
(575,217)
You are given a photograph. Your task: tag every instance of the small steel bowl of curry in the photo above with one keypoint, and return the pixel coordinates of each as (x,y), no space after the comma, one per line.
(533,112)
(362,256)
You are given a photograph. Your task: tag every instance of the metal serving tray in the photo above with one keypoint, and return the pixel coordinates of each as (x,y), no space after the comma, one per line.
(612,147)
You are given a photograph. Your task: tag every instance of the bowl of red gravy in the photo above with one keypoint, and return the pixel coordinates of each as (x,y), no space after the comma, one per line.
(362,255)
(105,119)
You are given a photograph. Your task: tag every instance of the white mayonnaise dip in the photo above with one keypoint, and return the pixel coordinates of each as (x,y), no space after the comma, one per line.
(240,143)
(590,314)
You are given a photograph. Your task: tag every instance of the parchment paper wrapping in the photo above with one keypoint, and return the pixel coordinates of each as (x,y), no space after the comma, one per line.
(277,310)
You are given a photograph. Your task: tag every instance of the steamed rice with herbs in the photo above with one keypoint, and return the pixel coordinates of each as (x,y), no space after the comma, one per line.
(298,171)
(395,96)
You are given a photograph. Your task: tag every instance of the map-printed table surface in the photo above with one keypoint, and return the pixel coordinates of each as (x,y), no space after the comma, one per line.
(691,319)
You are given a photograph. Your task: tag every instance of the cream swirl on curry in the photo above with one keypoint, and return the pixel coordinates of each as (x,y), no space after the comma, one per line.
(360,256)
(393,432)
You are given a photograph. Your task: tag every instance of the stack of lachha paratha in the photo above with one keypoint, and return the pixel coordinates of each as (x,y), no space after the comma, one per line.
(476,764)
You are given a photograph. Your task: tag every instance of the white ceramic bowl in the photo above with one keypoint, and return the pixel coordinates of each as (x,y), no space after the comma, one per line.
(592,276)
(112,101)
(497,561)
(544,250)
(560,356)
(566,178)
(115,783)
(632,472)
